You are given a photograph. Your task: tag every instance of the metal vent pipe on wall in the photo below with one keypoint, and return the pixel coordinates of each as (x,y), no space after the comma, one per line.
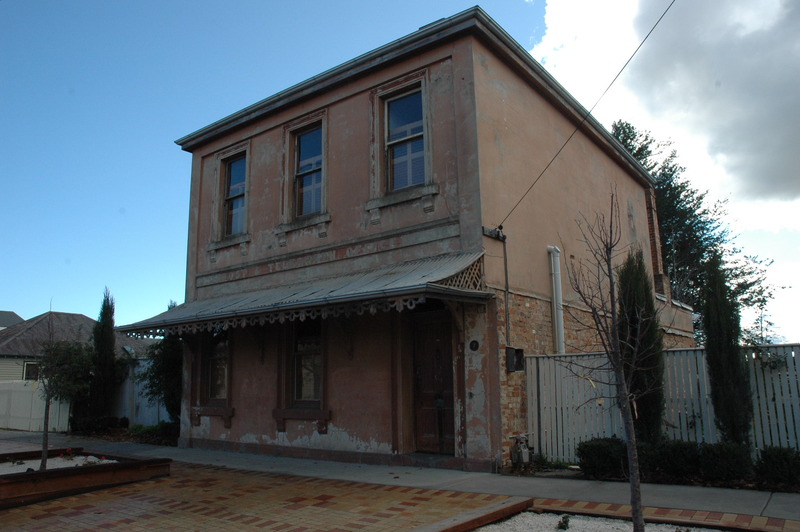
(557,299)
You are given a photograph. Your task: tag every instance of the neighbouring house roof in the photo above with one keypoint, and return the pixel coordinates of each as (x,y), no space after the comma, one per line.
(473,21)
(26,339)
(8,318)
(455,276)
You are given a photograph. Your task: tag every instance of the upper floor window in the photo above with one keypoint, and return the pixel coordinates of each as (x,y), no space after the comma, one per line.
(405,144)
(308,172)
(235,173)
(31,371)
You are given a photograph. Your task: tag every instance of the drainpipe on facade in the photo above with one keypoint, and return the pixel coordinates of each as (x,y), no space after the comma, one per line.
(557,299)
(497,234)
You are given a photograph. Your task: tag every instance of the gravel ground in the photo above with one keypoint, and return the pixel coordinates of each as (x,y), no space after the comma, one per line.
(536,522)
(54,462)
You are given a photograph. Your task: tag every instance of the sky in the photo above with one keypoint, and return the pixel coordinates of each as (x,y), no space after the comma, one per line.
(94,192)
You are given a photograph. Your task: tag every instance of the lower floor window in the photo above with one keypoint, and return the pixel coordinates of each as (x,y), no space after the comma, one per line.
(306,366)
(216,362)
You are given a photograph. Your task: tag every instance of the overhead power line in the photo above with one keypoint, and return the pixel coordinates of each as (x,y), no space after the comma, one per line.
(586,116)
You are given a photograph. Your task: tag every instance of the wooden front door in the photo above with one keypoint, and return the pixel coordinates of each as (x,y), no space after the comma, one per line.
(433,386)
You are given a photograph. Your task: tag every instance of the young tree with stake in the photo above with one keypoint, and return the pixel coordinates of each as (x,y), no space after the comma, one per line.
(626,325)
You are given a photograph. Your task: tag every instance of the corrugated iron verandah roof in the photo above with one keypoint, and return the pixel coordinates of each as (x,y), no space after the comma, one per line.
(456,276)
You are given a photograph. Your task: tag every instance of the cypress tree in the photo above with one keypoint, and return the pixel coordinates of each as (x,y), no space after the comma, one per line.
(727,373)
(641,347)
(105,376)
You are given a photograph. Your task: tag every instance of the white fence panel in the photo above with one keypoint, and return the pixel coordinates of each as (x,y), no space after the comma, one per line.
(775,385)
(22,408)
(131,401)
(570,400)
(688,412)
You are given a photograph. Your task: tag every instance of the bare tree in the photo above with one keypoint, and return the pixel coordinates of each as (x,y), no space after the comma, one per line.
(595,281)
(63,375)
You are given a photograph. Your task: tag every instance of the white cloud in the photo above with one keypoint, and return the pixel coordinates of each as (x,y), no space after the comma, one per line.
(722,84)
(732,73)
(586,43)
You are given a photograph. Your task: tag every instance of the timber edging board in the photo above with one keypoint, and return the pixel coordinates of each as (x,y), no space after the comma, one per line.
(17,489)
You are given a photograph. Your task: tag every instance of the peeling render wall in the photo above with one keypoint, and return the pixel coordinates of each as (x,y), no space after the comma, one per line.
(369,389)
(481,390)
(357,388)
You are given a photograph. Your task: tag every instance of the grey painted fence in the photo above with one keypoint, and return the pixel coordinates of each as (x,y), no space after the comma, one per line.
(22,408)
(570,399)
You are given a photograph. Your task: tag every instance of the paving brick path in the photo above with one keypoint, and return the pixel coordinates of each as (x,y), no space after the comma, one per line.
(213,497)
(197,497)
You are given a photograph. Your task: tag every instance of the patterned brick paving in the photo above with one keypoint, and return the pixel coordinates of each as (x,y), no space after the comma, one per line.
(665,515)
(196,497)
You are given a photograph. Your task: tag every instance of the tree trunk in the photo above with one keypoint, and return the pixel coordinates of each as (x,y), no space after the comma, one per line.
(637,512)
(45,432)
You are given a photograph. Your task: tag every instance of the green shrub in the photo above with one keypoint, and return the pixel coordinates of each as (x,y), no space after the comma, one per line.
(778,465)
(647,453)
(603,458)
(725,461)
(165,433)
(676,461)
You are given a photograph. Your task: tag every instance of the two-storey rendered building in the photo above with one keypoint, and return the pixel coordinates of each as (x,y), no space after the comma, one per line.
(349,292)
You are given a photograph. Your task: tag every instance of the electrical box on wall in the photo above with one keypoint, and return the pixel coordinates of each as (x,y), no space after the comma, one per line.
(515,359)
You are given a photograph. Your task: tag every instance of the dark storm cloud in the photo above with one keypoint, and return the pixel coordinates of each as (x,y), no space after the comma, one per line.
(731,71)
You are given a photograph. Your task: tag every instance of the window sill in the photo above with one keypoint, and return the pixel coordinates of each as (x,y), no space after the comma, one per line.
(230,241)
(406,195)
(320,416)
(224,412)
(320,221)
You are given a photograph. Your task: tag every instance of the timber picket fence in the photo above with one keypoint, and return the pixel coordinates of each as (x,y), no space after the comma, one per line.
(570,399)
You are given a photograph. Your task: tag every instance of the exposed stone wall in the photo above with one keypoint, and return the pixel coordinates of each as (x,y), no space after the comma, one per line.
(532,330)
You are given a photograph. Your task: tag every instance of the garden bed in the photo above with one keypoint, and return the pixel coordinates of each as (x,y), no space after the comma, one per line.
(17,489)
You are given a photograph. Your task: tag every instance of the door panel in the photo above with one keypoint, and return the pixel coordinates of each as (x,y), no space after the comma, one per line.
(433,387)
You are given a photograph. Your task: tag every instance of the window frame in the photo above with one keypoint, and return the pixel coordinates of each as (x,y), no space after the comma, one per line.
(26,372)
(290,220)
(234,216)
(209,353)
(293,377)
(381,194)
(222,176)
(203,403)
(298,173)
(290,405)
(390,144)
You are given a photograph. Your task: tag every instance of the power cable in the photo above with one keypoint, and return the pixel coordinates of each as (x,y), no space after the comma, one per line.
(586,116)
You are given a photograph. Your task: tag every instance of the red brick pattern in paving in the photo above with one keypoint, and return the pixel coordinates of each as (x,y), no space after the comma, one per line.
(196,497)
(672,516)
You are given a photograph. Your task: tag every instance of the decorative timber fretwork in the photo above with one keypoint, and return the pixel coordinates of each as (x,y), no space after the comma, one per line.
(470,278)
(356,308)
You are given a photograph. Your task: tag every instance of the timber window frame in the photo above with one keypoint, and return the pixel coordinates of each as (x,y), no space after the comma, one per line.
(235,183)
(303,375)
(213,378)
(305,174)
(385,189)
(404,139)
(30,371)
(308,172)
(232,172)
